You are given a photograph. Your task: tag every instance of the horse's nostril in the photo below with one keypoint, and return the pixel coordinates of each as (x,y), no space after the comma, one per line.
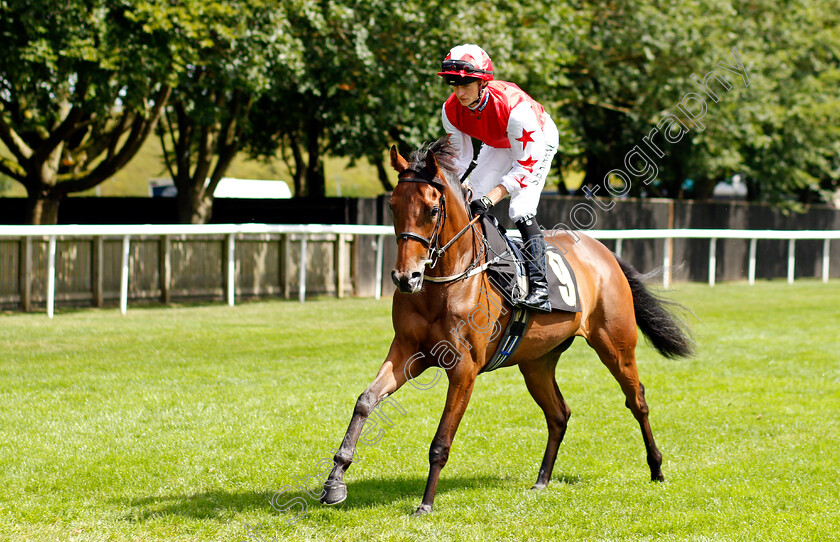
(416,275)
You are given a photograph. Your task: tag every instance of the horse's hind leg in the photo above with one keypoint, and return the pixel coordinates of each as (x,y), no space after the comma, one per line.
(539,378)
(617,351)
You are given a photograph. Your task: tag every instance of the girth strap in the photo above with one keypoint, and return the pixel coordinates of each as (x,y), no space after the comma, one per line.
(510,340)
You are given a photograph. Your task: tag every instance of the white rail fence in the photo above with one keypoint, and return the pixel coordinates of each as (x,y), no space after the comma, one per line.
(339,235)
(713,235)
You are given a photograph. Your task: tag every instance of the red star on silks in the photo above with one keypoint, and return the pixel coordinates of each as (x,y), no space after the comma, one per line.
(526,138)
(527,164)
(521,182)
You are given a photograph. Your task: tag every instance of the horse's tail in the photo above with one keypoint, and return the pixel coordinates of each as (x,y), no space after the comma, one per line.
(667,333)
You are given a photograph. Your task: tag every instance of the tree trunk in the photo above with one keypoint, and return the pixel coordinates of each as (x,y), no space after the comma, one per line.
(704,188)
(194,207)
(753,189)
(42,208)
(603,134)
(300,166)
(316,185)
(382,172)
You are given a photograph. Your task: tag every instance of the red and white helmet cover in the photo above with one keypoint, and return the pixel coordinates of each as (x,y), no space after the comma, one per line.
(465,63)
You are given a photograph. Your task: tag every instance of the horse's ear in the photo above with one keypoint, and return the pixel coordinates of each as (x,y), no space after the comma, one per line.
(432,163)
(397,161)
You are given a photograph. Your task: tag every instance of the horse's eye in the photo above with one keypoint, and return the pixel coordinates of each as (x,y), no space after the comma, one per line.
(434,212)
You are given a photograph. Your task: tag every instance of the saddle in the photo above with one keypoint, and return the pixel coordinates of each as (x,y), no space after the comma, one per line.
(507,269)
(507,273)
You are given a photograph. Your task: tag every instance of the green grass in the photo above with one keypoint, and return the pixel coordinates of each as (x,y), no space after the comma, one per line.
(181,423)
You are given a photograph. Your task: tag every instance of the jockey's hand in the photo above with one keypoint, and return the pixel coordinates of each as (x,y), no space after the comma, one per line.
(480,206)
(466,189)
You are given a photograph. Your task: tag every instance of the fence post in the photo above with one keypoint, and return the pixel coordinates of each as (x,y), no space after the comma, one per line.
(791,259)
(26,274)
(126,251)
(618,247)
(97,270)
(231,269)
(165,261)
(355,282)
(338,265)
(666,263)
(712,260)
(285,259)
(51,277)
(825,260)
(751,271)
(302,275)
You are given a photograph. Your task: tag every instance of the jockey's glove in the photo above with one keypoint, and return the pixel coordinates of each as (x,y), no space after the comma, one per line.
(481,206)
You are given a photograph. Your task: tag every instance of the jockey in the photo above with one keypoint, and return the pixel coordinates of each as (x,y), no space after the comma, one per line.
(519,140)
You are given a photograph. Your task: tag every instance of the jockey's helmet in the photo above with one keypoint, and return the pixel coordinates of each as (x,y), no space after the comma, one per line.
(465,64)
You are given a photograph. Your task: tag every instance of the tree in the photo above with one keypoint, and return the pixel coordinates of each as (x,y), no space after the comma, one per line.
(367,81)
(633,66)
(203,124)
(789,129)
(630,63)
(80,90)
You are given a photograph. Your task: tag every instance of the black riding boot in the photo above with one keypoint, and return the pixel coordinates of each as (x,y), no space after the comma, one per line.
(533,245)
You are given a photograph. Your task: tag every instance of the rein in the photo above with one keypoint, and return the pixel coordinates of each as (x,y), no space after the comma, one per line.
(432,243)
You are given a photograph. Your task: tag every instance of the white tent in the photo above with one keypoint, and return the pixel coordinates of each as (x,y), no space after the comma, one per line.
(228,187)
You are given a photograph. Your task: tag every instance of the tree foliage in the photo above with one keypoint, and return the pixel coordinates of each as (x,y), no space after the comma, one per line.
(82,85)
(232,45)
(635,65)
(363,83)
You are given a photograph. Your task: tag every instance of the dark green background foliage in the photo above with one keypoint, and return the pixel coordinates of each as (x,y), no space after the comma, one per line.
(311,79)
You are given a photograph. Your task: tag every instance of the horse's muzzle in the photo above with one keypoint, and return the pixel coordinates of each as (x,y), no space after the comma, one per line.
(407,282)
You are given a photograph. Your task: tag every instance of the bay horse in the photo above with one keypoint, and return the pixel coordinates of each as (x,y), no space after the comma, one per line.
(431,306)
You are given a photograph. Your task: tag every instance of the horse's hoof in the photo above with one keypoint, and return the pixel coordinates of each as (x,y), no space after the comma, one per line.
(658,477)
(334,493)
(422,510)
(539,487)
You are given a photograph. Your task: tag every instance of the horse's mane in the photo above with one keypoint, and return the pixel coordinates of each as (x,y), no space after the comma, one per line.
(445,154)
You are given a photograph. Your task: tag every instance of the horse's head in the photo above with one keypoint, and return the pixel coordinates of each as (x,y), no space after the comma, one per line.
(419,209)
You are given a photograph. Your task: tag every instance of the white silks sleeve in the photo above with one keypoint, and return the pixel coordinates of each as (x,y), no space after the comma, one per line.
(527,146)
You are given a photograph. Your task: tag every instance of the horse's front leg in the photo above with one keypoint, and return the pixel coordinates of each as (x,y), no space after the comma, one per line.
(391,376)
(461,382)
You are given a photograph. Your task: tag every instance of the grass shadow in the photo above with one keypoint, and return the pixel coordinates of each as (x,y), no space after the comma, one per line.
(362,494)
(371,493)
(201,505)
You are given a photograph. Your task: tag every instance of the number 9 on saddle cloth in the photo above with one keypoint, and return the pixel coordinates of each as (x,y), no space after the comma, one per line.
(507,270)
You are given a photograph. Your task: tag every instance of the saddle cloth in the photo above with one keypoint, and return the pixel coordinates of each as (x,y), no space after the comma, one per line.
(508,272)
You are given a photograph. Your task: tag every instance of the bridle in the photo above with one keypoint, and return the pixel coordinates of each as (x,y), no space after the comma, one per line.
(432,243)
